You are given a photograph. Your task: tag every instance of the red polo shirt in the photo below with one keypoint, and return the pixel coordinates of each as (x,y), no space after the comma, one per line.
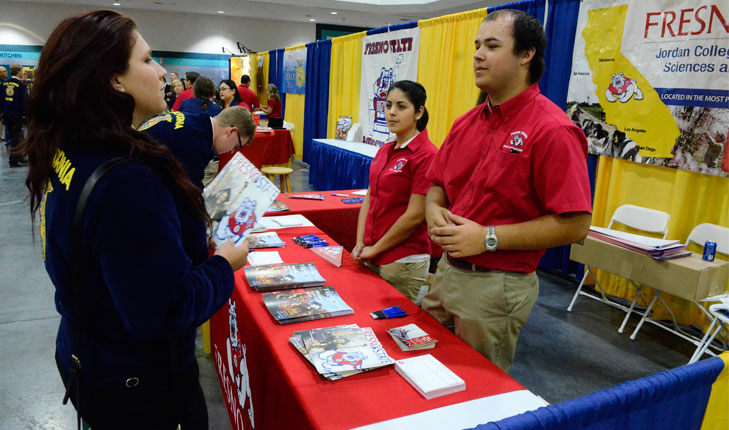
(512,163)
(248,96)
(395,174)
(276,105)
(187,94)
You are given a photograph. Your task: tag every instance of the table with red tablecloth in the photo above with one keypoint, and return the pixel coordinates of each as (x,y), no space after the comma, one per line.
(272,147)
(331,215)
(265,381)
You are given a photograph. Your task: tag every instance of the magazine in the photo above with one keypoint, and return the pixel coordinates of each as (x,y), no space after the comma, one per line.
(344,123)
(237,197)
(277,206)
(341,351)
(411,337)
(265,240)
(283,276)
(292,306)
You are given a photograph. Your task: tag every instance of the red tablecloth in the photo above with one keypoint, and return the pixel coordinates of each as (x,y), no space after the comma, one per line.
(265,380)
(267,148)
(337,219)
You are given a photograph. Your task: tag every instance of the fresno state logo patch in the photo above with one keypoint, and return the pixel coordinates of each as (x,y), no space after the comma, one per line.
(516,143)
(399,164)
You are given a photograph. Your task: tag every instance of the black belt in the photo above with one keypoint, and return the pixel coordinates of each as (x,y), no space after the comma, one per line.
(462,264)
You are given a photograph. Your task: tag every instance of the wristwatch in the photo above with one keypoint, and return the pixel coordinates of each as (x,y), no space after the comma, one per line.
(491,242)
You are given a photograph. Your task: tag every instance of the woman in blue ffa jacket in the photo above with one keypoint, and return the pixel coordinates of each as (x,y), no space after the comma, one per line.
(204,90)
(126,343)
(392,237)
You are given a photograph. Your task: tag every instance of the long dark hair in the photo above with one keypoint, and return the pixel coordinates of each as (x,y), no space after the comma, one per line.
(204,89)
(417,96)
(232,86)
(85,112)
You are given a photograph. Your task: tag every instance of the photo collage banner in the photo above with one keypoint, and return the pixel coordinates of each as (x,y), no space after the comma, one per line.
(650,82)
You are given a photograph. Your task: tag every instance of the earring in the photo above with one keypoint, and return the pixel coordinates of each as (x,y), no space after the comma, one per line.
(120,88)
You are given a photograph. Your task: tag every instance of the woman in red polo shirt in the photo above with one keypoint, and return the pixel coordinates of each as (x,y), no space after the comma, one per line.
(392,237)
(273,110)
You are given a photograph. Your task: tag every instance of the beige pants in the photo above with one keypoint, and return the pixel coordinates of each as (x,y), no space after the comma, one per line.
(486,309)
(407,278)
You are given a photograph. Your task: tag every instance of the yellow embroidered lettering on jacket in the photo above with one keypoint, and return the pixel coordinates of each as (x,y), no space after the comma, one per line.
(49,189)
(63,168)
(179,119)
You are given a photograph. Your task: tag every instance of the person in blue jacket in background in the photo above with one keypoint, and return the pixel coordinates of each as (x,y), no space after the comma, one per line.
(204,90)
(147,282)
(13,106)
(194,139)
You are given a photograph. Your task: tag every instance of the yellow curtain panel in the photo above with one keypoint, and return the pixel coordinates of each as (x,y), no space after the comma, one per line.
(295,114)
(344,79)
(690,198)
(445,68)
(717,410)
(259,82)
(254,72)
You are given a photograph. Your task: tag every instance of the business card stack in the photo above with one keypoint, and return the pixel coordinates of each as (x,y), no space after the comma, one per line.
(429,376)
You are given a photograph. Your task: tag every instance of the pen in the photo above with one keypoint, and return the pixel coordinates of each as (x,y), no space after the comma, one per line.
(340,195)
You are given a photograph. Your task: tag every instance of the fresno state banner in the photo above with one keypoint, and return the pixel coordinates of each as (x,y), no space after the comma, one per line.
(386,58)
(650,82)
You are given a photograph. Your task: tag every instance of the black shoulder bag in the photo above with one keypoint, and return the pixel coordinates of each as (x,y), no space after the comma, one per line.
(73,385)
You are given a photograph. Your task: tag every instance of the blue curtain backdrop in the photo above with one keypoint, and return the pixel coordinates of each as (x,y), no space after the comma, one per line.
(316,104)
(534,8)
(395,27)
(560,30)
(275,74)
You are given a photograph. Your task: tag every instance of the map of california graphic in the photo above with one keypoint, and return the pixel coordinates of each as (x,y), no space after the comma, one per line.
(641,115)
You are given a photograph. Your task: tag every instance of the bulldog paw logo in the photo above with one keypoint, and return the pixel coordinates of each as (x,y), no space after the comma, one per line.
(623,89)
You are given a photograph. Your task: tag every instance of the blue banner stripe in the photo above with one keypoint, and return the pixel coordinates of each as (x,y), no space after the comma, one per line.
(194,62)
(694,97)
(21,48)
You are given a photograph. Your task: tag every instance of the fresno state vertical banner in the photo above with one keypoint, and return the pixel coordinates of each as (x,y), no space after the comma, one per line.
(294,69)
(386,58)
(650,82)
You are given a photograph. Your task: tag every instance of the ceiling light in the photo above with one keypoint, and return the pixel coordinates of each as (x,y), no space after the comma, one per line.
(312,19)
(333,12)
(116,3)
(220,11)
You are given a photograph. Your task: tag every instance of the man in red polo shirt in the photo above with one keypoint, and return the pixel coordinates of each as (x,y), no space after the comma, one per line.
(509,181)
(190,78)
(247,94)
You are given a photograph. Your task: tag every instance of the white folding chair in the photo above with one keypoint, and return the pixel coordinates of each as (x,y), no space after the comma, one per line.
(720,235)
(639,218)
(720,321)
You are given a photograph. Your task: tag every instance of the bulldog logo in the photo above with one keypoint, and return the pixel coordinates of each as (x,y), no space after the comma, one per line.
(623,89)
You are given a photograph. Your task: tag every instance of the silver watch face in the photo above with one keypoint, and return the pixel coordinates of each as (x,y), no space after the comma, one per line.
(491,242)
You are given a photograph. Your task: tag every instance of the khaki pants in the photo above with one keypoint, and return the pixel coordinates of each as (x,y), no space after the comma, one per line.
(407,278)
(487,309)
